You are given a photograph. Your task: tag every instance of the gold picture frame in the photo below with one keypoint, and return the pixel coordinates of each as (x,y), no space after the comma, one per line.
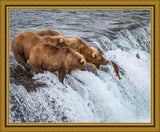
(152,5)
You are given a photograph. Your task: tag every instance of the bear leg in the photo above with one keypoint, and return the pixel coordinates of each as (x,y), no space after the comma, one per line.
(21,59)
(61,74)
(69,72)
(36,69)
(39,70)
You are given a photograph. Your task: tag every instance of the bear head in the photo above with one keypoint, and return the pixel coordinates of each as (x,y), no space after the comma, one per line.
(78,61)
(97,59)
(91,55)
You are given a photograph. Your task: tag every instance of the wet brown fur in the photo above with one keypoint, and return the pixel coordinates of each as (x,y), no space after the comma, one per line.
(23,43)
(79,45)
(48,57)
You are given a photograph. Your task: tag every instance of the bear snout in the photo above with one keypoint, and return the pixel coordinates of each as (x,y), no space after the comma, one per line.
(105,62)
(83,68)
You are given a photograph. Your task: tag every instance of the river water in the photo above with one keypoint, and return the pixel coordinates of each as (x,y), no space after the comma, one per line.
(122,36)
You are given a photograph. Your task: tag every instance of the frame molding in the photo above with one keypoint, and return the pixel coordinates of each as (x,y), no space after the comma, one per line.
(153,5)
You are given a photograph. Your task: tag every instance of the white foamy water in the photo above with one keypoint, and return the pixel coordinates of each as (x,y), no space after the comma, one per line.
(87,96)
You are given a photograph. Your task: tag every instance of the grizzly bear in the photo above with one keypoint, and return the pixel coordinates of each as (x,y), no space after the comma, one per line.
(48,32)
(51,58)
(23,43)
(91,55)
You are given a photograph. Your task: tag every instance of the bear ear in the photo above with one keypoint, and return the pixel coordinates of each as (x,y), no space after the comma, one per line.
(94,55)
(82,61)
(92,48)
(61,40)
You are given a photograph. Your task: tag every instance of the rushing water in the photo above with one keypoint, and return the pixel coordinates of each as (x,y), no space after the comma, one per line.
(122,36)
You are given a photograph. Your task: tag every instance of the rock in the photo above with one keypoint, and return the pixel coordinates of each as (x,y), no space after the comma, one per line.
(137,55)
(91,69)
(64,118)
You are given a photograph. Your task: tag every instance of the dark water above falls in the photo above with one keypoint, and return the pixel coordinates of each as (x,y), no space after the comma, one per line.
(122,36)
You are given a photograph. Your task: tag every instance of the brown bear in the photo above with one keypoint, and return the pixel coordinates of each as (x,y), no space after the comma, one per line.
(48,32)
(90,54)
(51,58)
(23,43)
